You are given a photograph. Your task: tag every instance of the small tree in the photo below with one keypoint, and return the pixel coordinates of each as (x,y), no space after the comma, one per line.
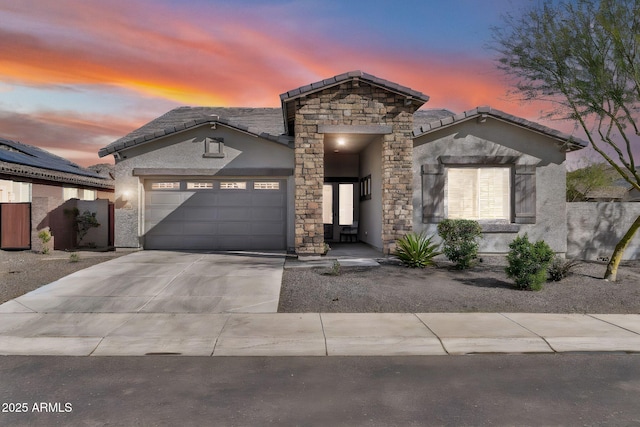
(460,238)
(82,223)
(581,182)
(584,57)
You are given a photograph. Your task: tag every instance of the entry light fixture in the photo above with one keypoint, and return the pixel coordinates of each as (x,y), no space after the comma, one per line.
(341,142)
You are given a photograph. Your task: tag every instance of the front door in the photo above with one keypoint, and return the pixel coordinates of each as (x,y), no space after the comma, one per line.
(338,208)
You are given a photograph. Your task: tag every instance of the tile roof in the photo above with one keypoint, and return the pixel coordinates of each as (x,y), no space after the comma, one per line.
(332,81)
(264,122)
(28,161)
(572,142)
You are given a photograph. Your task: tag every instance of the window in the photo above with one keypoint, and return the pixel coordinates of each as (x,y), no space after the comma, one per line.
(365,188)
(478,193)
(233,185)
(213,147)
(165,185)
(69,193)
(15,192)
(199,185)
(88,194)
(264,185)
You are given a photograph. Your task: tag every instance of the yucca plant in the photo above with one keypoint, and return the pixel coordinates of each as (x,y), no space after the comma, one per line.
(416,250)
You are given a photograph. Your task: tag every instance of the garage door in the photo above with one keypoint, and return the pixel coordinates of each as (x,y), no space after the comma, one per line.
(233,214)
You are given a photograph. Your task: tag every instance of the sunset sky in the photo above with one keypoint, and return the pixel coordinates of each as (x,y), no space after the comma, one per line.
(77,74)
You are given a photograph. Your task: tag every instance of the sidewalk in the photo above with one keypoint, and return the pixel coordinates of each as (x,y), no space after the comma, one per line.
(313,334)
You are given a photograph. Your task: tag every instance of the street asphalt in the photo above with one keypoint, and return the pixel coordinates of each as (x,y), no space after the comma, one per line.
(482,390)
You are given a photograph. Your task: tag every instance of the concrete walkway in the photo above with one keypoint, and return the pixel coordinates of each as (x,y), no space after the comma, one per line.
(225,305)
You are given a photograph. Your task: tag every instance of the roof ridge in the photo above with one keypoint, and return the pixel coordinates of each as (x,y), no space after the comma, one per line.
(486,109)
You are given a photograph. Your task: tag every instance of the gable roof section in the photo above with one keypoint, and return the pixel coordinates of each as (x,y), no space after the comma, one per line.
(414,96)
(17,159)
(352,75)
(262,122)
(571,143)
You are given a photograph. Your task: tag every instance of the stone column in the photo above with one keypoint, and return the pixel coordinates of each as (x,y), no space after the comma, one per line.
(397,179)
(309,177)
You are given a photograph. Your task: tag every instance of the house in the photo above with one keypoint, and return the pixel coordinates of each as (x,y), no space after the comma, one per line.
(36,187)
(351,149)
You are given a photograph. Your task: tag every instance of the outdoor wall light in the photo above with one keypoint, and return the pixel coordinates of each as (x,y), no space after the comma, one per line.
(341,141)
(125,195)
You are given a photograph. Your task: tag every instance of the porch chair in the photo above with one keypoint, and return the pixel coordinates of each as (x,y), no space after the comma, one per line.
(350,232)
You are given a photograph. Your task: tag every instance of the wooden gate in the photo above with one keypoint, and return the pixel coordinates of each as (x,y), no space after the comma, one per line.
(15,225)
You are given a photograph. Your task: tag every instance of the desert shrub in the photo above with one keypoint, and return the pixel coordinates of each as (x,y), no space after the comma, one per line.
(528,263)
(460,240)
(561,268)
(74,257)
(416,250)
(45,238)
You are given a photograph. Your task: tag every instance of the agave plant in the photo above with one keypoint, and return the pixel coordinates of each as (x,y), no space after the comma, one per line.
(416,250)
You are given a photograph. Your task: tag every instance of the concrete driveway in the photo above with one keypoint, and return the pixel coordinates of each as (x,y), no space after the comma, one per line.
(165,282)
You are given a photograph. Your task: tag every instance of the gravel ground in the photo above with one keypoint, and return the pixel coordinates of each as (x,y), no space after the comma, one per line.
(24,271)
(484,288)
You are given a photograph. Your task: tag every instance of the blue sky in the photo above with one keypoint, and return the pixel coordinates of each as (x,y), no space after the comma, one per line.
(78,74)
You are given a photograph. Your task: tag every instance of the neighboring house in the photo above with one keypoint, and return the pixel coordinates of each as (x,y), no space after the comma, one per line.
(352,149)
(620,191)
(35,189)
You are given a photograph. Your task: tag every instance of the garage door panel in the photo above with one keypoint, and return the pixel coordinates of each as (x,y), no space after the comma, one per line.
(166,228)
(200,227)
(198,213)
(164,198)
(267,199)
(216,219)
(234,198)
(233,214)
(267,242)
(268,214)
(267,229)
(200,199)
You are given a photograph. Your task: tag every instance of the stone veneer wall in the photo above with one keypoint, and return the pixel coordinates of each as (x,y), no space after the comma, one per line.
(352,103)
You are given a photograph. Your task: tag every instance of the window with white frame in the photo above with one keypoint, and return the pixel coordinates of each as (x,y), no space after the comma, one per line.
(88,194)
(233,185)
(481,193)
(15,192)
(199,185)
(69,193)
(165,185)
(266,185)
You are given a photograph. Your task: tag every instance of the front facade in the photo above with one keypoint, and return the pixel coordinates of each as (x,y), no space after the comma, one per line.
(353,151)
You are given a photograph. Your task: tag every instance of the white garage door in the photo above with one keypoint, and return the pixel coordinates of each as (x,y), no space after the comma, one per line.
(233,214)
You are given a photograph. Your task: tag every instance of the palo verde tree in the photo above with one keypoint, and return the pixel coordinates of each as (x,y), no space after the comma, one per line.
(584,57)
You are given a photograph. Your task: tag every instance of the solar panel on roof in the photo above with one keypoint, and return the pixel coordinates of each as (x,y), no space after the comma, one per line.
(27,155)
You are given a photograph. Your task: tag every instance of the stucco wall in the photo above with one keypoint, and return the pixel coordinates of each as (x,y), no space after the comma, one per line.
(595,228)
(496,138)
(370,226)
(185,151)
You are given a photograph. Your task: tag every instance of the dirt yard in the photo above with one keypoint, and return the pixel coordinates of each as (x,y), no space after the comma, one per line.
(484,288)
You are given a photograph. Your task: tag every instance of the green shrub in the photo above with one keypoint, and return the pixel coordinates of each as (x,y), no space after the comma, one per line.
(45,238)
(460,240)
(74,257)
(416,250)
(561,268)
(528,263)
